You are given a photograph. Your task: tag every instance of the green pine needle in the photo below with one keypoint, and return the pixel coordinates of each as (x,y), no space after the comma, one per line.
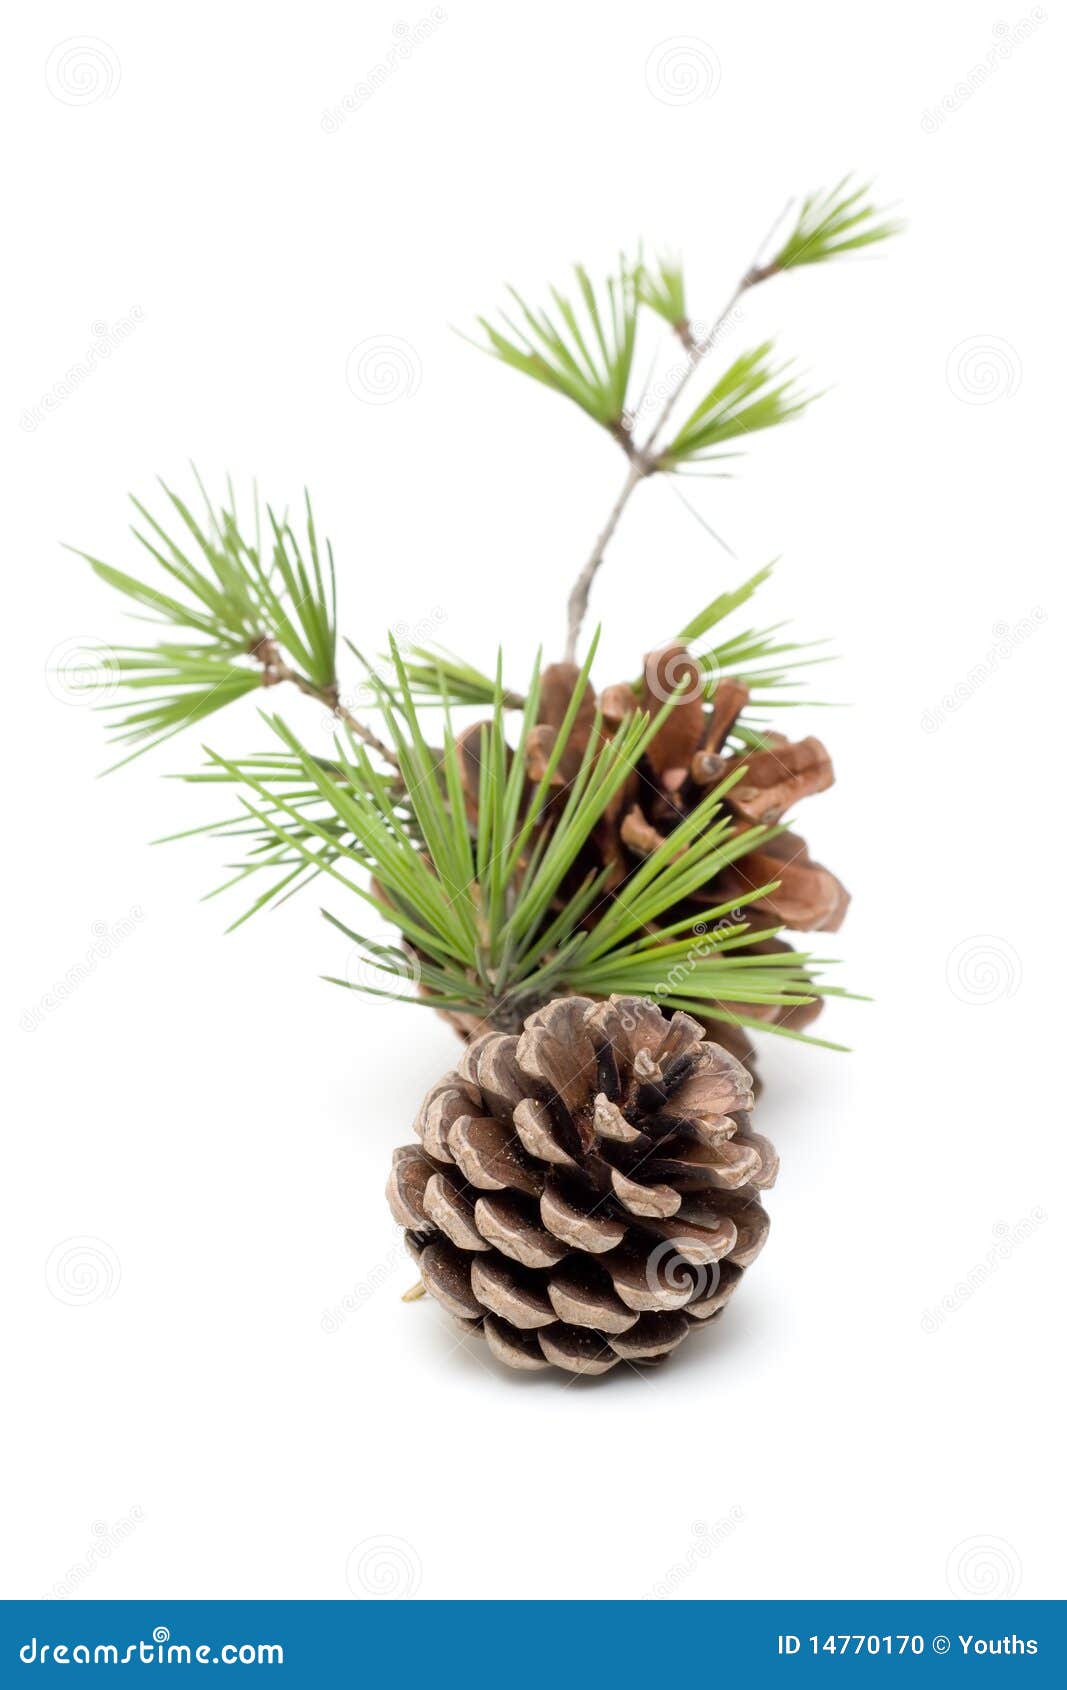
(832,222)
(231,590)
(584,349)
(662,289)
(493,911)
(435,675)
(758,658)
(753,394)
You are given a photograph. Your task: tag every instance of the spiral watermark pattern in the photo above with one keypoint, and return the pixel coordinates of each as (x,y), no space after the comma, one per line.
(682,70)
(82,1270)
(983,369)
(668,1266)
(382,369)
(680,670)
(387,1568)
(381,970)
(983,969)
(985,1567)
(82,70)
(82,671)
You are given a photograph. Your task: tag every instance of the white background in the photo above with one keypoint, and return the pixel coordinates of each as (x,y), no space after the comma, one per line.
(236,1375)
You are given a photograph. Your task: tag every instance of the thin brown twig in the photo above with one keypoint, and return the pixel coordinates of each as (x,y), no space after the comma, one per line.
(276,670)
(643,460)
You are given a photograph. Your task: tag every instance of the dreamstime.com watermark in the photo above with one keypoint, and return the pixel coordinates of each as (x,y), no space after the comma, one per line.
(406,37)
(382,369)
(332,1319)
(105,342)
(385,1568)
(107,937)
(1007,638)
(983,369)
(663,387)
(983,969)
(155,1651)
(706,1540)
(82,670)
(985,1567)
(80,1271)
(703,947)
(104,1541)
(681,70)
(382,971)
(1006,1241)
(1006,38)
(409,637)
(82,70)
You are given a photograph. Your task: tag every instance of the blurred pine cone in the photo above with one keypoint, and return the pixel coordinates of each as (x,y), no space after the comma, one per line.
(586,1192)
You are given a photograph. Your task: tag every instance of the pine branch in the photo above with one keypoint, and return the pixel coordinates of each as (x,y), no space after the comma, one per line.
(829,224)
(249,611)
(489,906)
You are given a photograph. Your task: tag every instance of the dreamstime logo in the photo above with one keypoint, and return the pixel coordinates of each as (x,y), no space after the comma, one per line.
(985,1567)
(1006,1240)
(706,1540)
(379,968)
(80,671)
(105,1540)
(406,38)
(382,369)
(668,1267)
(1007,637)
(106,339)
(334,1318)
(681,671)
(383,1567)
(983,969)
(107,936)
(82,70)
(682,70)
(983,369)
(82,1270)
(1006,37)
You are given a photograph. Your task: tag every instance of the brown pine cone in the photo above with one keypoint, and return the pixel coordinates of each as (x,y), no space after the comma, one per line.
(688,756)
(586,1192)
(736,1040)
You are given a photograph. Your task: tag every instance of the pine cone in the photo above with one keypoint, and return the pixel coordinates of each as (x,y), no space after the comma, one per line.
(586,1192)
(683,761)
